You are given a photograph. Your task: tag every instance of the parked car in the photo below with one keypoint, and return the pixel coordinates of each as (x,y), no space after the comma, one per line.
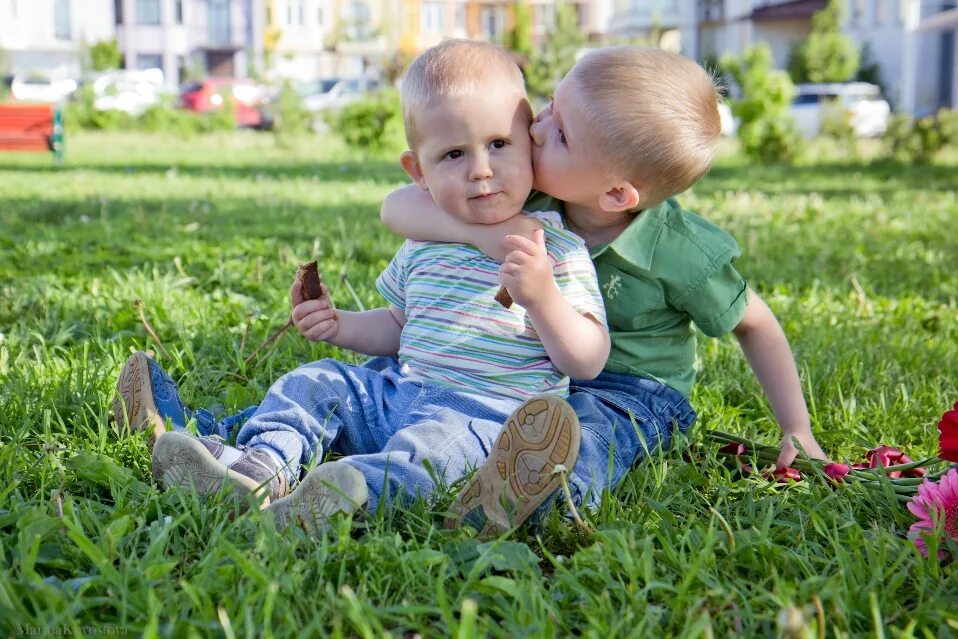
(862,101)
(210,95)
(39,88)
(132,92)
(335,93)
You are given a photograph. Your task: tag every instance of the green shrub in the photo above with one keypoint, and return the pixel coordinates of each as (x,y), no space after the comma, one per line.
(374,124)
(290,117)
(80,113)
(766,130)
(918,140)
(837,125)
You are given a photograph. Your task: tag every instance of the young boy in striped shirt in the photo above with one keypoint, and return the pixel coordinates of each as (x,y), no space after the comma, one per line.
(467,364)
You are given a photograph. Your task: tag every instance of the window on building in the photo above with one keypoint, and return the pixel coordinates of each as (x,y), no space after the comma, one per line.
(289,12)
(61,20)
(432,17)
(218,22)
(14,10)
(302,12)
(178,11)
(461,18)
(858,12)
(149,61)
(319,16)
(148,11)
(117,11)
(490,22)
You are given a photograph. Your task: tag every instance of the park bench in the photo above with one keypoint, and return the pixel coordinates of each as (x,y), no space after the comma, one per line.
(31,127)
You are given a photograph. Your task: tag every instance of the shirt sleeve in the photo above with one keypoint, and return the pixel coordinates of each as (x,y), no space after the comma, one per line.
(391,283)
(717,302)
(575,276)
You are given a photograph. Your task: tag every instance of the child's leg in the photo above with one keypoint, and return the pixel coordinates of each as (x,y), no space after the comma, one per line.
(606,407)
(328,405)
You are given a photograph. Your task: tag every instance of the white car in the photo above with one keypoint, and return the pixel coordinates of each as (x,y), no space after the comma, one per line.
(335,93)
(36,88)
(132,92)
(862,101)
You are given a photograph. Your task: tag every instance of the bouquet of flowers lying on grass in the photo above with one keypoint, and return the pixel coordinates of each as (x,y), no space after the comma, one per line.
(929,486)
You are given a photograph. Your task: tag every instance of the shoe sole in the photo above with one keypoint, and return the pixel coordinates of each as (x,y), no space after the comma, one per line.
(518,475)
(181,460)
(133,406)
(330,488)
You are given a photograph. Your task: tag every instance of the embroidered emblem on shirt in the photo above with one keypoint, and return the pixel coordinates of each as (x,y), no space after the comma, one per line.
(613,286)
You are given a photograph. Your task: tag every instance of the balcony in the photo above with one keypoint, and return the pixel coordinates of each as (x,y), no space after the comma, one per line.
(711,11)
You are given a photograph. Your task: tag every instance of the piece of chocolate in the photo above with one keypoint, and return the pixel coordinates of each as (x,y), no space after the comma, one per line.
(309,283)
(503,297)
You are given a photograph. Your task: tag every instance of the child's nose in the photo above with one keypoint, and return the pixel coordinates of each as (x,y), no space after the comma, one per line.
(537,131)
(480,169)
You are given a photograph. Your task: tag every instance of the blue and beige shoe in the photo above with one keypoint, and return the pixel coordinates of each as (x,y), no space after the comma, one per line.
(147,398)
(207,465)
(518,476)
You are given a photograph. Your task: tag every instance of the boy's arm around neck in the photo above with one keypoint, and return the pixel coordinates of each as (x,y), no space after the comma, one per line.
(411,213)
(766,348)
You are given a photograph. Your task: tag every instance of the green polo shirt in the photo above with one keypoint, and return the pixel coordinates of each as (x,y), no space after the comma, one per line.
(667,270)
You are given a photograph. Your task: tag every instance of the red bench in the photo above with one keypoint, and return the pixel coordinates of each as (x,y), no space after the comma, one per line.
(31,127)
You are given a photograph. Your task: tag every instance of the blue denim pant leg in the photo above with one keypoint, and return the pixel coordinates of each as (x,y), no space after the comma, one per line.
(228,425)
(450,431)
(329,405)
(611,441)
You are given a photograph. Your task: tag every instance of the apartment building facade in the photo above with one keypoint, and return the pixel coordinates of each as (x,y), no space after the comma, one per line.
(917,65)
(49,36)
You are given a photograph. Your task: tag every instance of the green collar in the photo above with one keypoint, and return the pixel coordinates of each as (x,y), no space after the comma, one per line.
(636,244)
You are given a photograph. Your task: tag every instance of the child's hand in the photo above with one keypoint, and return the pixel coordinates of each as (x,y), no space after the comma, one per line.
(490,238)
(790,451)
(527,271)
(316,320)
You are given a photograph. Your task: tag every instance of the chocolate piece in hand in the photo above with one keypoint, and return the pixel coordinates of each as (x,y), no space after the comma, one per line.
(503,297)
(309,283)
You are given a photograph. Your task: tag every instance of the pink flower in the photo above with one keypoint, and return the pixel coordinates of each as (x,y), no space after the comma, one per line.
(787,474)
(935,501)
(836,471)
(890,456)
(948,435)
(733,449)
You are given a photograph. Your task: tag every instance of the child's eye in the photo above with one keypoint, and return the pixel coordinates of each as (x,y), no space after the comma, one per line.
(499,144)
(455,154)
(561,136)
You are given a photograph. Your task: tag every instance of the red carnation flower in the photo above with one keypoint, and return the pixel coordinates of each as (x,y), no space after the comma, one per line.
(733,449)
(837,472)
(890,456)
(948,435)
(787,474)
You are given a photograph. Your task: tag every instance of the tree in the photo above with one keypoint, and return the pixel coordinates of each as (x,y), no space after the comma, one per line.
(550,64)
(519,38)
(828,55)
(105,55)
(766,130)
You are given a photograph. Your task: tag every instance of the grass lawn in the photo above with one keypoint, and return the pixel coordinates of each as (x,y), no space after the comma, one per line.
(859,261)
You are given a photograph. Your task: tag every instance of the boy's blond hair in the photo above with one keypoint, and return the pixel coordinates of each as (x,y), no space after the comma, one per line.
(654,114)
(453,69)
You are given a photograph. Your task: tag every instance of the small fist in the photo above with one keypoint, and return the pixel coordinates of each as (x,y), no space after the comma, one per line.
(527,270)
(316,320)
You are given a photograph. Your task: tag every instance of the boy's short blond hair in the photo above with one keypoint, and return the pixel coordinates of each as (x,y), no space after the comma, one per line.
(453,69)
(654,114)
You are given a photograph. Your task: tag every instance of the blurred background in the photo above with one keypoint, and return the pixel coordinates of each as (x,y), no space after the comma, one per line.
(800,68)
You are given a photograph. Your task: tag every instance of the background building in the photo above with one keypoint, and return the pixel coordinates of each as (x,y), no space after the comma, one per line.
(49,36)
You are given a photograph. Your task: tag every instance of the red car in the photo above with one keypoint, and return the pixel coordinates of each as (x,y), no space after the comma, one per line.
(210,95)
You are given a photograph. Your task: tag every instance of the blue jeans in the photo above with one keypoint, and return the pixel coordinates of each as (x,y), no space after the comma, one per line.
(385,426)
(623,417)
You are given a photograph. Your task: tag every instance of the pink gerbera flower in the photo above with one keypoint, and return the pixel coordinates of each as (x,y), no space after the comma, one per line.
(935,500)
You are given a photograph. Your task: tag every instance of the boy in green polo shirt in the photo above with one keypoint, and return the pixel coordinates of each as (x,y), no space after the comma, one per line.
(628,129)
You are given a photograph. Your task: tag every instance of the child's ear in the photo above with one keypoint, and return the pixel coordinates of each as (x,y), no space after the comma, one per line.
(410,164)
(622,196)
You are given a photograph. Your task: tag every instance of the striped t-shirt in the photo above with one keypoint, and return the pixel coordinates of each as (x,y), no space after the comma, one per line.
(457,335)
